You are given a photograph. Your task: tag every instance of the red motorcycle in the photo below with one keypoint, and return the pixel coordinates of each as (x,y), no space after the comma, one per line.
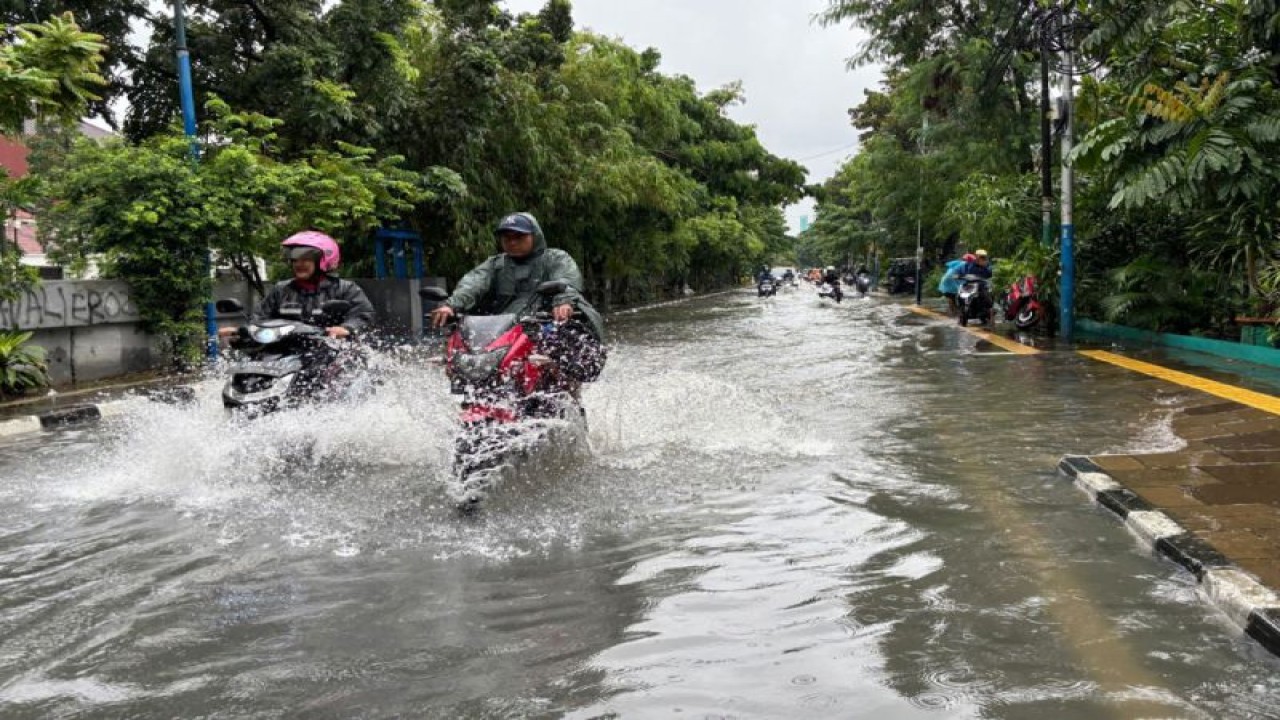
(509,390)
(1021,306)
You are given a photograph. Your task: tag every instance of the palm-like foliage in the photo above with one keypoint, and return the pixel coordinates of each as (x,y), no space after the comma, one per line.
(22,367)
(1159,295)
(50,71)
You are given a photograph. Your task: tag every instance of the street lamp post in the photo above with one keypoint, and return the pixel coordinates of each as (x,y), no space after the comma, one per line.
(1067,313)
(1061,32)
(924,128)
(187,98)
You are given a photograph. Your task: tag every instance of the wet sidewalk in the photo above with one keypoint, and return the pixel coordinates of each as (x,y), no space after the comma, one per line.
(1222,494)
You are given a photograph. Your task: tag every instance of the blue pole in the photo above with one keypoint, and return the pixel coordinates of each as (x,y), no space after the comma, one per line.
(398,259)
(1067,291)
(379,255)
(419,258)
(187,98)
(1067,314)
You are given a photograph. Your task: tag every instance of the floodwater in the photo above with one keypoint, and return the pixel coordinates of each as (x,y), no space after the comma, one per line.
(789,509)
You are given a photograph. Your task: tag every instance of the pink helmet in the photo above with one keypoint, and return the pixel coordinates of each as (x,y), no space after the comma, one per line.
(330,256)
(969,257)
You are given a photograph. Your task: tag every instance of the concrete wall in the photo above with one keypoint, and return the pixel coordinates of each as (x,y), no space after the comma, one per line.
(88,328)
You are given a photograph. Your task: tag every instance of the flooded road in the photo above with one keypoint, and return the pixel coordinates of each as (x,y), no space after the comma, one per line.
(790,508)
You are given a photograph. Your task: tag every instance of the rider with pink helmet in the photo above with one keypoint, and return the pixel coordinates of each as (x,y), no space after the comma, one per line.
(313,257)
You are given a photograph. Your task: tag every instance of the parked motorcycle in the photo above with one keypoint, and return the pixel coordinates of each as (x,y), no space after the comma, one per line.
(289,360)
(974,302)
(510,390)
(766,288)
(1021,304)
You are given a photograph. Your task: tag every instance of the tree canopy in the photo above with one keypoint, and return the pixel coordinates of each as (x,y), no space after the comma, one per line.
(1175,164)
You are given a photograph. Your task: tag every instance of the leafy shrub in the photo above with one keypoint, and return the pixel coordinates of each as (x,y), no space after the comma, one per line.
(22,368)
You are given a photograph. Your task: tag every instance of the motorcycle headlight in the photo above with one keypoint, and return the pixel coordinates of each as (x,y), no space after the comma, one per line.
(476,367)
(268,335)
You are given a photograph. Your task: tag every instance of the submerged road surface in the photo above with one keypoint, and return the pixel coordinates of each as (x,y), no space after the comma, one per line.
(790,509)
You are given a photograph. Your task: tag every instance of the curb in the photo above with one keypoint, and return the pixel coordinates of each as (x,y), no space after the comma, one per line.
(1254,608)
(86,413)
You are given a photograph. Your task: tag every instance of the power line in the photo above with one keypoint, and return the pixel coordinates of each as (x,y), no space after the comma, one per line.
(829,152)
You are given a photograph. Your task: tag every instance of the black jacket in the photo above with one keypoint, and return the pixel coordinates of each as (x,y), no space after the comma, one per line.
(358,318)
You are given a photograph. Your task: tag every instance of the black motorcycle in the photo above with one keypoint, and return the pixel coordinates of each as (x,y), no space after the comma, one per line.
(862,283)
(974,301)
(766,288)
(289,360)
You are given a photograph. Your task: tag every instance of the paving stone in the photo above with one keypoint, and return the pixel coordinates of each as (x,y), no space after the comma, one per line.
(1205,421)
(1202,432)
(1261,473)
(1112,463)
(1166,477)
(1183,459)
(1267,571)
(1167,497)
(1216,407)
(1253,456)
(1240,544)
(1267,440)
(1237,493)
(1259,518)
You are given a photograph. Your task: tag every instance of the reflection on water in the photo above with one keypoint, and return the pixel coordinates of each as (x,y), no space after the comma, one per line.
(788,508)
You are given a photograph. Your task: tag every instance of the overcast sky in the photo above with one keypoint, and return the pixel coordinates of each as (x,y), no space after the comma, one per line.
(798,91)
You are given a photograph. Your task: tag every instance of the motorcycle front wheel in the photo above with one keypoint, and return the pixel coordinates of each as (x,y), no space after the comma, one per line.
(1027,318)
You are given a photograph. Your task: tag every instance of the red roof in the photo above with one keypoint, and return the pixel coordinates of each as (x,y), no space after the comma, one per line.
(13,157)
(21,228)
(13,152)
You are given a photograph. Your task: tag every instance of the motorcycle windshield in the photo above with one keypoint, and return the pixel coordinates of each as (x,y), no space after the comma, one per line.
(479,331)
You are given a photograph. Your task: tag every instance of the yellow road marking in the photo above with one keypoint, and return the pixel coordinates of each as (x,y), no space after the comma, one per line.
(1258,400)
(1003,342)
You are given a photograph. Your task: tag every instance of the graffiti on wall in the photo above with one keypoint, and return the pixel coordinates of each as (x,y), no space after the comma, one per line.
(70,303)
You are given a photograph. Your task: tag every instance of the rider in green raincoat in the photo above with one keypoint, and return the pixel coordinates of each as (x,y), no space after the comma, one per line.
(506,282)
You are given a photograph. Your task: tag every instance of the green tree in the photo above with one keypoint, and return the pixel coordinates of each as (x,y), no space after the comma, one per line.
(153,214)
(112,21)
(48,73)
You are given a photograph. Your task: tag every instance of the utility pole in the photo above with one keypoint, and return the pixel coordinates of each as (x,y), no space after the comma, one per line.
(924,128)
(187,98)
(1046,147)
(1067,313)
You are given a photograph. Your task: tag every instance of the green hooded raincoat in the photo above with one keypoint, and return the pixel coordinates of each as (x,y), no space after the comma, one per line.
(503,284)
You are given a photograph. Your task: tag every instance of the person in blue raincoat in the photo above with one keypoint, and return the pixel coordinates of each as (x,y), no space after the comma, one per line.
(949,286)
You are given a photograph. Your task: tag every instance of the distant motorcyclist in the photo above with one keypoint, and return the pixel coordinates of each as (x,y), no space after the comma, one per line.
(506,283)
(313,257)
(788,276)
(766,273)
(831,277)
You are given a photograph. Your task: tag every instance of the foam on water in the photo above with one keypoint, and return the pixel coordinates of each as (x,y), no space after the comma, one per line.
(375,473)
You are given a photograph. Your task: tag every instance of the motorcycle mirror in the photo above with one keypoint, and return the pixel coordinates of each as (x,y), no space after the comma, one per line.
(552,287)
(228,305)
(433,293)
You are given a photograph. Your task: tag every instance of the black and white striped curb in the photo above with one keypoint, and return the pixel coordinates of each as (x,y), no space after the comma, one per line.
(1249,604)
(85,413)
